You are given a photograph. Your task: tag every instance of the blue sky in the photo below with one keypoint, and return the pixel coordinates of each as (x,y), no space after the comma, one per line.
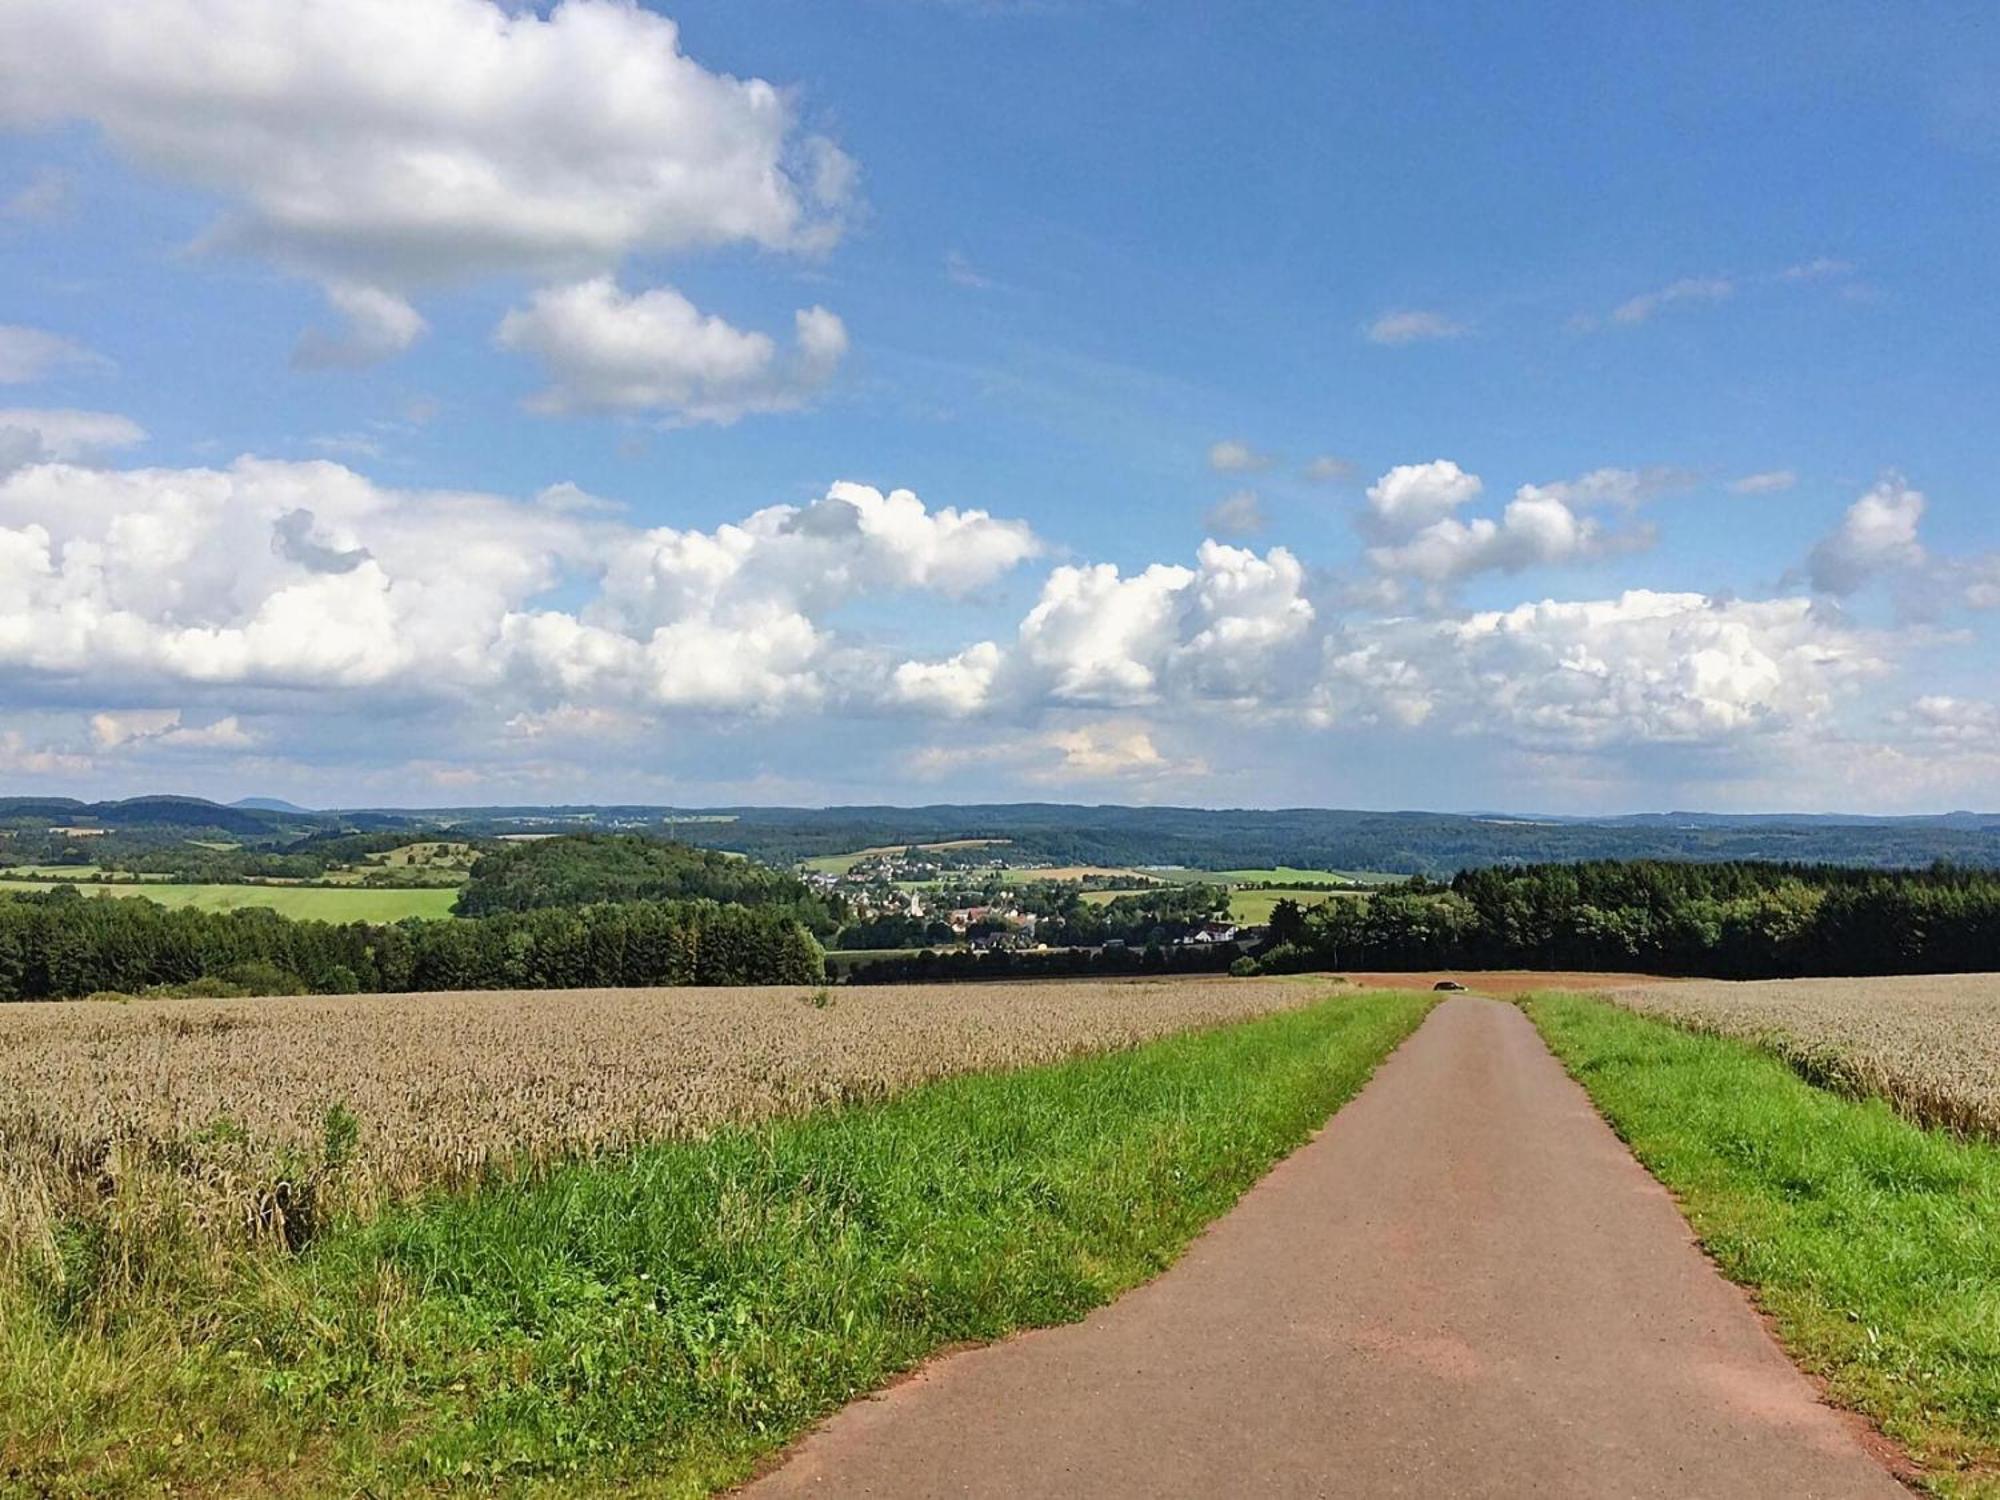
(1568,408)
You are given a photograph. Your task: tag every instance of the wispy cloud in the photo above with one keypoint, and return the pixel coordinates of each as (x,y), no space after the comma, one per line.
(1768,482)
(1688,289)
(1413,325)
(1711,289)
(960,271)
(30,353)
(1240,513)
(1329,468)
(1233,456)
(1822,269)
(49,195)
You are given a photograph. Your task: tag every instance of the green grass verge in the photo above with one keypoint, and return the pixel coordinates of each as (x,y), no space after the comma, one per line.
(1873,1244)
(327,903)
(659,1322)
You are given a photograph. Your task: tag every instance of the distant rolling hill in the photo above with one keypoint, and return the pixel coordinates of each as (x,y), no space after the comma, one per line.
(1061,834)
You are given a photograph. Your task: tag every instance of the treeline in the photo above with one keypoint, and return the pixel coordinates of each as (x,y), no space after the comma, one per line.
(1045,963)
(62,945)
(581,869)
(1733,920)
(1161,915)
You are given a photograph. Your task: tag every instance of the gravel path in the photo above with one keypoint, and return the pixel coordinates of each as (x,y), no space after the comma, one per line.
(1463,1286)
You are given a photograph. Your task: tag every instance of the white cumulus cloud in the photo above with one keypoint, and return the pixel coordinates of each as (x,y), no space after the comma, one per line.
(1412,496)
(1411,514)
(1643,668)
(289,576)
(655,351)
(1877,535)
(383,146)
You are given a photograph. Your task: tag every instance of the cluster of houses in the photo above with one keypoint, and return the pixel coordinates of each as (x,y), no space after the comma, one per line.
(886,885)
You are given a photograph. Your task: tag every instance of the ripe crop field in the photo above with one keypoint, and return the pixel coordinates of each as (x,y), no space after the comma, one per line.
(323,903)
(222,1093)
(661,1317)
(1929,1044)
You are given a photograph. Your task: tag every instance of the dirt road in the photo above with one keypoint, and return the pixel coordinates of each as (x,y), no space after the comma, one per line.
(1463,1286)
(1505,983)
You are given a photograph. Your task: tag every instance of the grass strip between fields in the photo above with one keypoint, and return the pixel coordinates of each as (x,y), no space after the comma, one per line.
(658,1322)
(1873,1244)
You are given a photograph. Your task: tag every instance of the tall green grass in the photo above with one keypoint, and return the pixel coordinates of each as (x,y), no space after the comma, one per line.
(661,1320)
(1874,1244)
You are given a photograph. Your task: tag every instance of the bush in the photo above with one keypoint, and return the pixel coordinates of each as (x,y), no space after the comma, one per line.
(259,976)
(1286,958)
(1245,967)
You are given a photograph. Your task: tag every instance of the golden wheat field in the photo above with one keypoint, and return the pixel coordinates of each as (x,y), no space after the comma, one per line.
(229,1097)
(1929,1044)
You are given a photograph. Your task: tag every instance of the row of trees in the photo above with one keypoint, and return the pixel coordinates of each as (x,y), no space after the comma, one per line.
(958,964)
(1162,914)
(62,945)
(1728,920)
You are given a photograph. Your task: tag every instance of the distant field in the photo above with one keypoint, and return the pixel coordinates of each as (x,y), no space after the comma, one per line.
(48,872)
(840,864)
(1106,897)
(343,904)
(430,863)
(1071,872)
(1255,906)
(1292,875)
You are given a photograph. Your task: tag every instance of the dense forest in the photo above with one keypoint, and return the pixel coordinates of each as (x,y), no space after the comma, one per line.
(64,945)
(1739,920)
(1730,921)
(578,869)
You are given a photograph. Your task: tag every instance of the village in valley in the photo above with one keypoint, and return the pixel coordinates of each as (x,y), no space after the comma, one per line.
(976,894)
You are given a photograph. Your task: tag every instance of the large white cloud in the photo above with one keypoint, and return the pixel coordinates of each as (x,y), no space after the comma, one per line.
(656,352)
(1411,514)
(407,142)
(1412,496)
(381,146)
(286,576)
(1644,667)
(1223,631)
(268,604)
